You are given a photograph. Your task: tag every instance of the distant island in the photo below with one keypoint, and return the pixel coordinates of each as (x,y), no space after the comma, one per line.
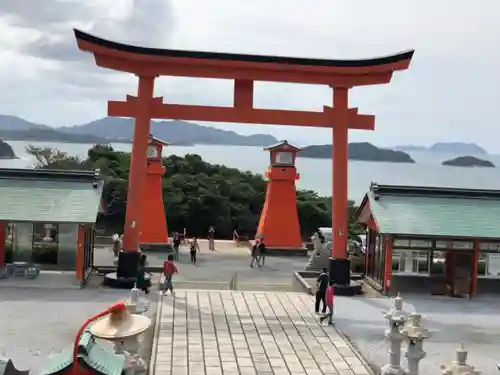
(6,151)
(458,148)
(51,135)
(358,151)
(121,130)
(468,161)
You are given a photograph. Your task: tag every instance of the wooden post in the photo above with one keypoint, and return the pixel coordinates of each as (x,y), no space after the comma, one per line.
(388,264)
(475,266)
(3,236)
(80,253)
(138,162)
(340,268)
(339,173)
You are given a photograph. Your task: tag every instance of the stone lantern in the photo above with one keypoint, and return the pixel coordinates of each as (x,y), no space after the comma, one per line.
(396,318)
(415,335)
(124,327)
(459,366)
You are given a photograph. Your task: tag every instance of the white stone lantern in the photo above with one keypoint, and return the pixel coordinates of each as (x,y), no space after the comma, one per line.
(459,366)
(124,327)
(415,335)
(396,318)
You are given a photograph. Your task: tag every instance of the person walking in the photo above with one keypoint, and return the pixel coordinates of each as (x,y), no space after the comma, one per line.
(169,269)
(255,253)
(329,298)
(321,286)
(143,278)
(176,243)
(193,248)
(211,238)
(262,252)
(116,244)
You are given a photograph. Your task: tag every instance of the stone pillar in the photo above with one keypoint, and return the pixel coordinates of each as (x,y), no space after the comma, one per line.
(396,319)
(415,335)
(459,366)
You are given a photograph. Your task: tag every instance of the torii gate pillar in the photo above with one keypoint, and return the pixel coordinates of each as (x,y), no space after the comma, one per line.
(279,221)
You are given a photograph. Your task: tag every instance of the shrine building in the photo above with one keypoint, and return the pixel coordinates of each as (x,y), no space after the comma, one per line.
(47,218)
(432,240)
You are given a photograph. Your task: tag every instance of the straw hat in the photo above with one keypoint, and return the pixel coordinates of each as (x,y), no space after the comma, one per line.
(120,325)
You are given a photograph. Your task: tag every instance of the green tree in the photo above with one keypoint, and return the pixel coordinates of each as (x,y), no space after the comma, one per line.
(50,158)
(196,194)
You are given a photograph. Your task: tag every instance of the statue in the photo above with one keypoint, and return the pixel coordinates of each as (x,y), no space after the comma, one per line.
(321,253)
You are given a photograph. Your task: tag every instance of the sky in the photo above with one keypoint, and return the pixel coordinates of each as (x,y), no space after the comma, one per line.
(449,93)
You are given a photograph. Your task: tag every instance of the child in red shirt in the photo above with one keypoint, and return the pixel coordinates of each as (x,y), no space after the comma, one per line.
(169,268)
(329,303)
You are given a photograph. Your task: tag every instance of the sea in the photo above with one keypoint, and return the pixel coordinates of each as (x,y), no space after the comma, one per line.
(315,174)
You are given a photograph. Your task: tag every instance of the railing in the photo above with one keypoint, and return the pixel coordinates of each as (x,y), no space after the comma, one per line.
(233,284)
(241,241)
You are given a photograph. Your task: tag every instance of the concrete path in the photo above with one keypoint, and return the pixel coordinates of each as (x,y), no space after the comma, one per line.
(223,332)
(220,267)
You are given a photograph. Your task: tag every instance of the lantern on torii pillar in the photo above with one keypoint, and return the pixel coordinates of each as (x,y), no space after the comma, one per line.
(153,230)
(279,221)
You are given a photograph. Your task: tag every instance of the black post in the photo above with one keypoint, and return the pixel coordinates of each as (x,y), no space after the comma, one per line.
(127,264)
(340,271)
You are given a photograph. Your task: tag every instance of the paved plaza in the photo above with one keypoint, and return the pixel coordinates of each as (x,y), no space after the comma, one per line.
(475,322)
(216,269)
(224,332)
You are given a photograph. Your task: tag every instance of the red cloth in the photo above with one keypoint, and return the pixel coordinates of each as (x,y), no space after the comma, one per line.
(329,296)
(169,268)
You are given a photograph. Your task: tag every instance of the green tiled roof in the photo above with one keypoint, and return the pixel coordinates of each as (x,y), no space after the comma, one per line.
(436,216)
(91,355)
(49,200)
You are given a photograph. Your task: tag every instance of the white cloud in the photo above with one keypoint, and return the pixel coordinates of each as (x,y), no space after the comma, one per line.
(449,92)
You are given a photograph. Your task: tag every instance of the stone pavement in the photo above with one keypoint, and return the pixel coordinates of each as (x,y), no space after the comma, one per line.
(247,333)
(220,267)
(475,322)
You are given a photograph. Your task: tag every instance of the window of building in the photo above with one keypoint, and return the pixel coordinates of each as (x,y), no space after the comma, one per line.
(410,262)
(379,260)
(407,243)
(489,260)
(45,243)
(438,262)
(152,152)
(459,245)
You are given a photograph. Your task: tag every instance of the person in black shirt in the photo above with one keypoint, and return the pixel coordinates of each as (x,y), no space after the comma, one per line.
(143,278)
(211,238)
(193,248)
(176,244)
(321,285)
(262,253)
(256,252)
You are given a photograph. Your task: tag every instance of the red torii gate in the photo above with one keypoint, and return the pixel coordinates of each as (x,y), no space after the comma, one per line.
(340,75)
